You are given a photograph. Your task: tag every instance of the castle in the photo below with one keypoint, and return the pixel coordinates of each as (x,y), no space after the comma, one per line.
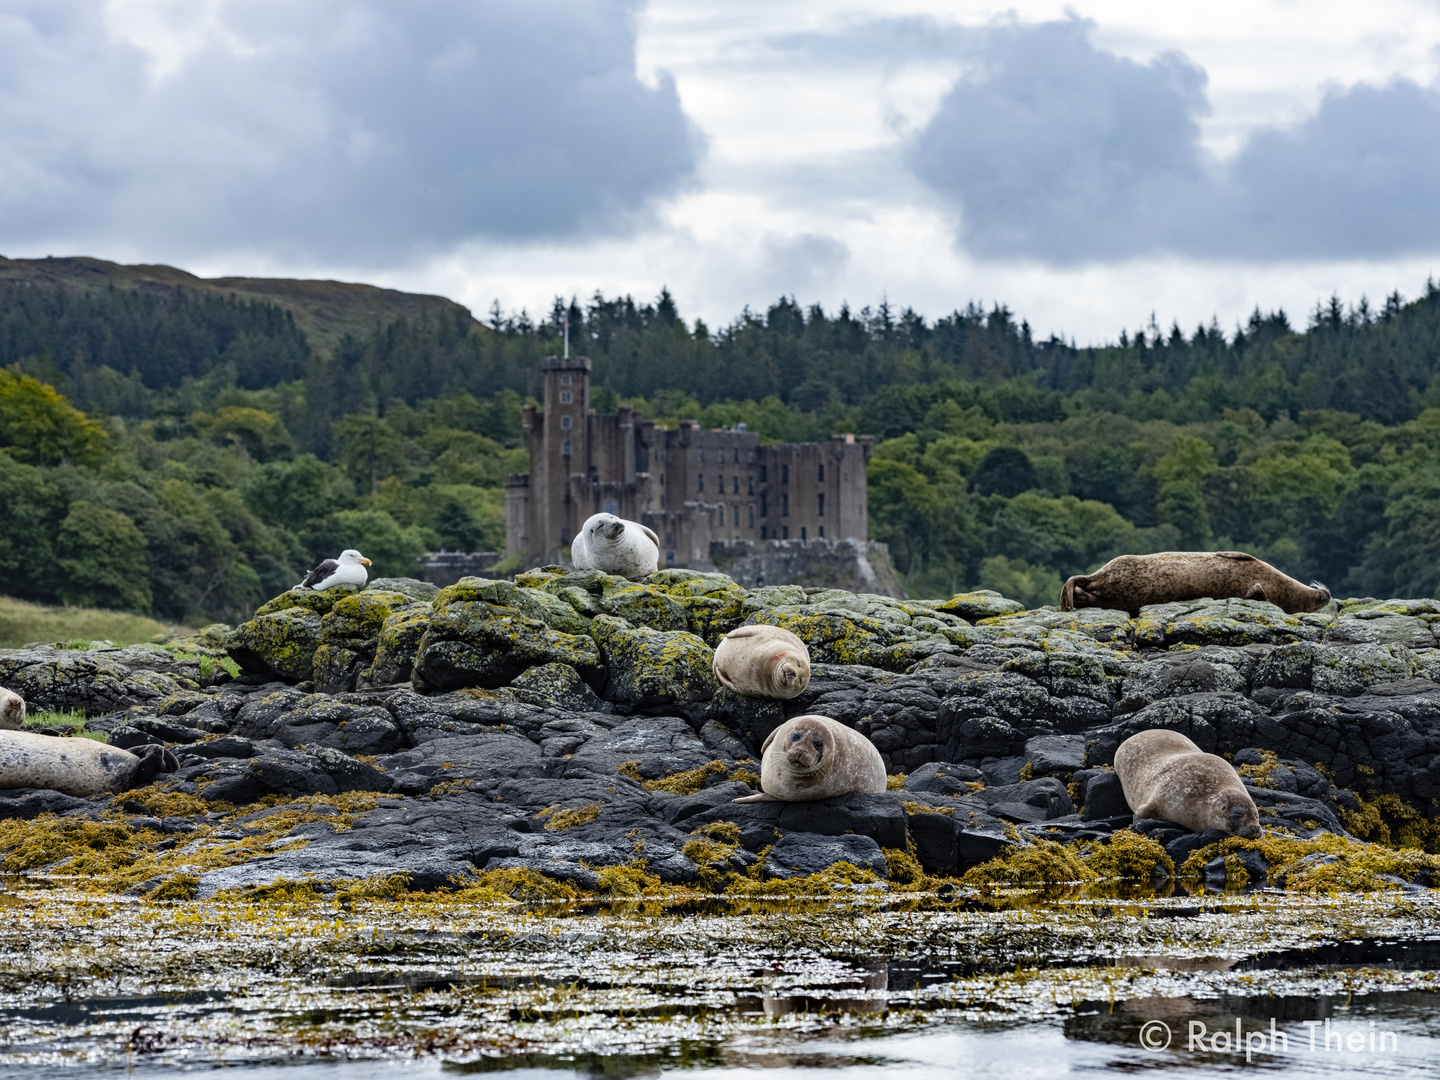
(689,485)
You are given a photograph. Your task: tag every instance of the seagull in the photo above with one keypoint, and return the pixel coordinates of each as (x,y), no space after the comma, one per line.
(349,569)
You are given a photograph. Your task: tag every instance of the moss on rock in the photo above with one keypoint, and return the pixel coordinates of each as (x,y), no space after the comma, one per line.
(280,644)
(652,667)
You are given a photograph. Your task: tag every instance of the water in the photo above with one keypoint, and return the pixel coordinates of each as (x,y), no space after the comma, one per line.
(1281,985)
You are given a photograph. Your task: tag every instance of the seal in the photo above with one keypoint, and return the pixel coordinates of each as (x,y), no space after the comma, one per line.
(763,661)
(616,546)
(1166,776)
(12,710)
(77,766)
(814,757)
(1129,582)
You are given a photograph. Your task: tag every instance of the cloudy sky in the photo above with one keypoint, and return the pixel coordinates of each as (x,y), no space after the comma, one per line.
(1086,164)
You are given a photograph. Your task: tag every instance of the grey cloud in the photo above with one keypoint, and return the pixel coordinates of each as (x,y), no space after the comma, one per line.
(1056,150)
(337,129)
(803,262)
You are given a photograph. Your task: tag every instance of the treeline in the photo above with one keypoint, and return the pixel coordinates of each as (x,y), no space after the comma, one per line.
(219,455)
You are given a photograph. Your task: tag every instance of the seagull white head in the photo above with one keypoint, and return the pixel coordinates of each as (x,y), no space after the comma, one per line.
(350,555)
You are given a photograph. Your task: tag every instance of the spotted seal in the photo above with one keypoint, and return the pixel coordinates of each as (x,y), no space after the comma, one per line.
(1164,775)
(814,757)
(77,766)
(12,710)
(616,546)
(763,661)
(1129,582)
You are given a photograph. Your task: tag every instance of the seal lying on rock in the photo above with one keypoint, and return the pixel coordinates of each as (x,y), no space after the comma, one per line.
(1164,775)
(763,661)
(77,766)
(12,710)
(814,757)
(1129,582)
(616,546)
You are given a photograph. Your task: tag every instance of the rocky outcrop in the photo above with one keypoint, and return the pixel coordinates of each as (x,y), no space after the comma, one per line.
(569,721)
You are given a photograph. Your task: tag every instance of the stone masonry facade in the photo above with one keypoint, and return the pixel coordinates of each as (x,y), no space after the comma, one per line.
(690,485)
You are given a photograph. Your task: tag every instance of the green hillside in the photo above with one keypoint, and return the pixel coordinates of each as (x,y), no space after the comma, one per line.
(183,449)
(324,310)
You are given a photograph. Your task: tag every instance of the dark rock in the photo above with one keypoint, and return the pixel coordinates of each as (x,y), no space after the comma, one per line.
(1001,772)
(975,846)
(1182,846)
(1046,795)
(659,745)
(944,778)
(1055,755)
(801,854)
(1102,795)
(230,746)
(30,803)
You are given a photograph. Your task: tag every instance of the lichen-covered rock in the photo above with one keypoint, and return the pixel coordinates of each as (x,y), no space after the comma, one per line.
(307,600)
(484,633)
(845,636)
(395,648)
(349,636)
(977,605)
(92,682)
(1222,622)
(648,668)
(713,604)
(280,643)
(414,590)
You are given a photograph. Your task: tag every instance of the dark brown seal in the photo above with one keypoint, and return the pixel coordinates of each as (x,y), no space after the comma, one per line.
(1166,776)
(814,757)
(1129,582)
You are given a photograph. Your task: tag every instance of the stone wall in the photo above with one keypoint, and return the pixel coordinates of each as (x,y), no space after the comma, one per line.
(447,567)
(861,566)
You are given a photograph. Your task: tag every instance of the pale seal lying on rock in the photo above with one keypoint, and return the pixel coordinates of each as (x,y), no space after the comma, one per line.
(814,757)
(77,766)
(1164,775)
(12,710)
(616,546)
(1129,582)
(763,661)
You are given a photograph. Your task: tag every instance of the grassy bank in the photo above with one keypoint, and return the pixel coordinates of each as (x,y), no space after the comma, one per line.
(21,623)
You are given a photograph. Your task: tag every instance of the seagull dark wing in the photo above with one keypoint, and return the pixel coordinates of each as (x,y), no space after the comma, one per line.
(320,573)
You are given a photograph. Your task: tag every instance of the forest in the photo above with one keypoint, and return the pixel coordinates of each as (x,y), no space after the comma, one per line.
(189,456)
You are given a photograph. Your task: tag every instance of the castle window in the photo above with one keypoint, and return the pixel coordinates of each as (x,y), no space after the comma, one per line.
(737,456)
(669,558)
(784,474)
(785,532)
(720,484)
(721,509)
(565,448)
(564,423)
(752,485)
(565,379)
(700,482)
(764,505)
(735,485)
(762,532)
(821,512)
(802,533)
(821,532)
(752,515)
(566,397)
(784,504)
(764,473)
(612,507)
(822,473)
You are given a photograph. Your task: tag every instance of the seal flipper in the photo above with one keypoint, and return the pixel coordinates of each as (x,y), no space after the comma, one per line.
(154,760)
(1256,592)
(759,796)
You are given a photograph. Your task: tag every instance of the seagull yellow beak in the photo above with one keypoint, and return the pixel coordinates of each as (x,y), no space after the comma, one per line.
(364,560)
